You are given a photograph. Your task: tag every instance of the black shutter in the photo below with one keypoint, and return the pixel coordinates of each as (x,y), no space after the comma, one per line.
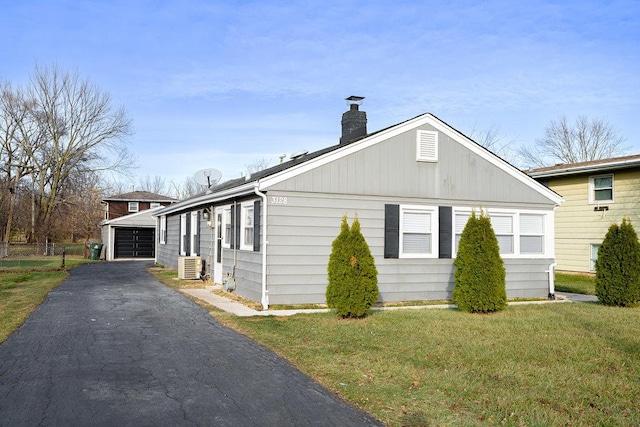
(391,231)
(445,230)
(237,225)
(256,226)
(232,237)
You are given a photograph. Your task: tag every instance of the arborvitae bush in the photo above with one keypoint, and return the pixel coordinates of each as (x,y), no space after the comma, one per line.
(479,276)
(618,266)
(353,277)
(338,269)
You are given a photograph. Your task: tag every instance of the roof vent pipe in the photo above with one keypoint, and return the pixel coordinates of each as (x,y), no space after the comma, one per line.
(354,121)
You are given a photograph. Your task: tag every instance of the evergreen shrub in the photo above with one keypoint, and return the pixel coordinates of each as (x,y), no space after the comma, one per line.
(352,274)
(618,267)
(480,285)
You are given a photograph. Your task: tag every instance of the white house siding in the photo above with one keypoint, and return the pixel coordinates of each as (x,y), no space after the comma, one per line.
(390,168)
(301,231)
(167,254)
(248,271)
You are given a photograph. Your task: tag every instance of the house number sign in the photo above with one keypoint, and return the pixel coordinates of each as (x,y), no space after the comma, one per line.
(278,200)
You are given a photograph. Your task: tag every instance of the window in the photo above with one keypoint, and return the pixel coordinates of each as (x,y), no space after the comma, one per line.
(594,256)
(417,227)
(247,226)
(519,234)
(531,234)
(154,205)
(194,247)
(461,219)
(163,230)
(184,235)
(503,227)
(133,207)
(427,146)
(227,225)
(601,189)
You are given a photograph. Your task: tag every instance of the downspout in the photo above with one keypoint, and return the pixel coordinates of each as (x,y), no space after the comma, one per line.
(265,296)
(552,286)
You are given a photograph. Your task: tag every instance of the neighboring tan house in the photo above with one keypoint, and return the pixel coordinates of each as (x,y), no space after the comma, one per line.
(413,186)
(596,194)
(128,230)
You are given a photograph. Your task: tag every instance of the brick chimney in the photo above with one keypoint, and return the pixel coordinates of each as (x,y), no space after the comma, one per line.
(354,121)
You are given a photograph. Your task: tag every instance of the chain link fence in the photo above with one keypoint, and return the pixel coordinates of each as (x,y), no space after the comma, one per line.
(12,250)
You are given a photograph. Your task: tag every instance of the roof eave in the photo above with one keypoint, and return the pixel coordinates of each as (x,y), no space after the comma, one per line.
(241,190)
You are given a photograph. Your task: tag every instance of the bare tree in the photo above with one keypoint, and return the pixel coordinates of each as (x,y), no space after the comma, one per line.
(257,165)
(583,141)
(155,184)
(83,133)
(188,188)
(492,140)
(15,163)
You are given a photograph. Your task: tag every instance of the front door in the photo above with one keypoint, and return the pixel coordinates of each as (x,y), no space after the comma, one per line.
(217,247)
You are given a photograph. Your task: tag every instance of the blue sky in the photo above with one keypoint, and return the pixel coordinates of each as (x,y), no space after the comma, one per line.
(223,83)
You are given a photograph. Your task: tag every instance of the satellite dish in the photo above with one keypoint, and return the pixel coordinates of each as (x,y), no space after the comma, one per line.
(207,177)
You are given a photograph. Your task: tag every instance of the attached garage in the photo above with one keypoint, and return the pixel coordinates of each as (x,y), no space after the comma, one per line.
(130,236)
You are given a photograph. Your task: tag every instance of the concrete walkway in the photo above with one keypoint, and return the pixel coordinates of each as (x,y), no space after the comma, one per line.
(112,346)
(226,304)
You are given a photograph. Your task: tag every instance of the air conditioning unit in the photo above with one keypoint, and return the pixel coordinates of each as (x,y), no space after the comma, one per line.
(189,267)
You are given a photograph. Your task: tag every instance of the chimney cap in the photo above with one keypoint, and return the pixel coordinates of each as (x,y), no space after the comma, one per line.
(353,99)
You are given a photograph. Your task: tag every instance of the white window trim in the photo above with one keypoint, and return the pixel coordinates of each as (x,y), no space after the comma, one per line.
(163,230)
(154,205)
(183,230)
(244,207)
(426,136)
(136,204)
(548,236)
(433,210)
(226,243)
(194,233)
(592,189)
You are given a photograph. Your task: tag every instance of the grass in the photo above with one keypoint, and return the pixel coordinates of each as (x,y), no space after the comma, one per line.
(24,284)
(576,283)
(553,364)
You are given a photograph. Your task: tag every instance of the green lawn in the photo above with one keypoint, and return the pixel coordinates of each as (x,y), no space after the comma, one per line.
(534,365)
(24,284)
(575,283)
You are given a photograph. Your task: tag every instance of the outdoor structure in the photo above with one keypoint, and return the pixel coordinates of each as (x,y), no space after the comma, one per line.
(128,230)
(413,186)
(597,194)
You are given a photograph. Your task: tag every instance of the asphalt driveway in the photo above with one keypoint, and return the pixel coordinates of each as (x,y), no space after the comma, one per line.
(113,346)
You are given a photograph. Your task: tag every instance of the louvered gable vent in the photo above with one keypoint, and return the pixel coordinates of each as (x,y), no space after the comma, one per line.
(427,146)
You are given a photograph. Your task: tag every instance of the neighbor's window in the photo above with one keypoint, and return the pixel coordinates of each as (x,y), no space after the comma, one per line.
(503,227)
(601,188)
(531,234)
(594,256)
(154,205)
(247,226)
(417,226)
(133,207)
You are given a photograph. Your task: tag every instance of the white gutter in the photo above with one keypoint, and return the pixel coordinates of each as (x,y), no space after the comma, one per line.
(265,296)
(552,285)
(588,168)
(211,198)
